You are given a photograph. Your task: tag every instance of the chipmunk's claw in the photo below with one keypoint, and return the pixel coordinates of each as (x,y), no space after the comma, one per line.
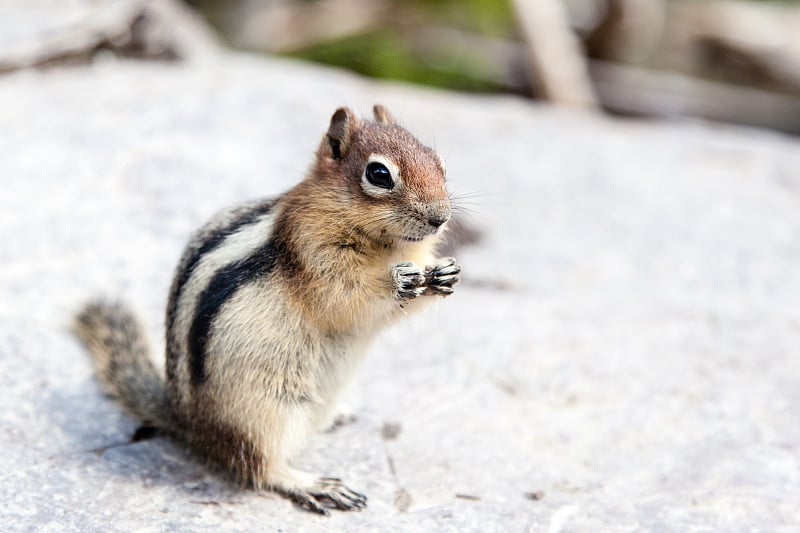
(328,493)
(409,280)
(442,277)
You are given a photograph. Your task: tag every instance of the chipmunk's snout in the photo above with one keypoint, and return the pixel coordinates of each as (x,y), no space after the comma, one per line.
(438,219)
(438,214)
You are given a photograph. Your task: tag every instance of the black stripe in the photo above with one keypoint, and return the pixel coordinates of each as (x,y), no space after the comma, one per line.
(192,258)
(222,286)
(213,241)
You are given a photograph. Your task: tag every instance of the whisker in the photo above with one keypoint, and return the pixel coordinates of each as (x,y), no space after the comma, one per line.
(461,210)
(484,193)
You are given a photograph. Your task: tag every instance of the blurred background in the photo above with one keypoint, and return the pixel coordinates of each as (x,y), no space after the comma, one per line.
(730,60)
(623,350)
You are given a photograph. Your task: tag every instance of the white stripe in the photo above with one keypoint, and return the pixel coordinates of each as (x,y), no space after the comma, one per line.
(238,245)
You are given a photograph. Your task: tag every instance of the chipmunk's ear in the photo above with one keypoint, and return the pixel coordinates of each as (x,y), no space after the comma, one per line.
(343,123)
(382,115)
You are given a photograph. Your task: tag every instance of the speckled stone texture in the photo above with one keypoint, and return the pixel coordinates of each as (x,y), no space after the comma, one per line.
(622,355)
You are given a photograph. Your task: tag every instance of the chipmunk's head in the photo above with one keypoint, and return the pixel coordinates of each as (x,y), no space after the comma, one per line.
(394,179)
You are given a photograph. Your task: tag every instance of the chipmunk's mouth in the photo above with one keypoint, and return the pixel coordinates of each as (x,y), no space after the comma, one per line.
(419,231)
(421,236)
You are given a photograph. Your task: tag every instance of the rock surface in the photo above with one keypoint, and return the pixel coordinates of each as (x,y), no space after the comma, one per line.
(35,33)
(622,354)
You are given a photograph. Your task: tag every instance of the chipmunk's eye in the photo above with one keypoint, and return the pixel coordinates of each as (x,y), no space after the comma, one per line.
(378,175)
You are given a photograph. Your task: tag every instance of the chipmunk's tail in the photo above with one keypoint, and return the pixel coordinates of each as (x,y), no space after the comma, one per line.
(121,355)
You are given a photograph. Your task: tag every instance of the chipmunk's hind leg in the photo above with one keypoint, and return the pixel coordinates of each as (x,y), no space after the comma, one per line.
(289,429)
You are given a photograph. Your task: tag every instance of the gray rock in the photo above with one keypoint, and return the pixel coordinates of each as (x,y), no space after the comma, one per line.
(55,32)
(624,344)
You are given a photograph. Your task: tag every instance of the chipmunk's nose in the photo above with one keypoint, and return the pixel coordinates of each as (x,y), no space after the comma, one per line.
(437,213)
(438,219)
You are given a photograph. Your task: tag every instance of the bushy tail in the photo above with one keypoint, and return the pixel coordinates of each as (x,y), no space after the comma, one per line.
(118,346)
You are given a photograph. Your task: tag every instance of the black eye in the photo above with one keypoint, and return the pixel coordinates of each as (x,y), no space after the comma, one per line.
(378,175)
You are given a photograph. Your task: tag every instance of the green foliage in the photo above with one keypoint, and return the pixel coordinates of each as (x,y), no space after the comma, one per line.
(386,54)
(389,54)
(493,18)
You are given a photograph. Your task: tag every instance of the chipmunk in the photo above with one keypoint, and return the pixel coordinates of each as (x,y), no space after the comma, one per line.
(274,303)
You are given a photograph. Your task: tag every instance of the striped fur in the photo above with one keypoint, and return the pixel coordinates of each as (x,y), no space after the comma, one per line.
(210,237)
(274,303)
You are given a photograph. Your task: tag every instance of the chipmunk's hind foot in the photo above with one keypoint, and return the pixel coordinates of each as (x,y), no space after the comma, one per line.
(327,493)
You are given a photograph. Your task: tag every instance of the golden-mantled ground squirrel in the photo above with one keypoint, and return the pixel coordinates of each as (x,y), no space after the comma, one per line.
(274,303)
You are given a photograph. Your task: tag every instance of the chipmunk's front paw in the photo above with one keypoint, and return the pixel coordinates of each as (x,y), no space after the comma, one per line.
(408,280)
(440,278)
